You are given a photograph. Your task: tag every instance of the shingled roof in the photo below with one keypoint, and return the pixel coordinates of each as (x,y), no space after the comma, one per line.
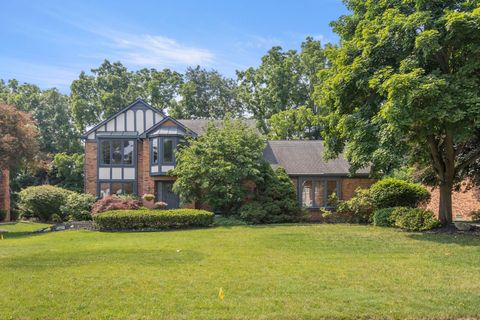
(305,157)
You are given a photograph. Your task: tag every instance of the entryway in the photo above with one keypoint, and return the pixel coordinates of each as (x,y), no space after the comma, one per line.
(165,193)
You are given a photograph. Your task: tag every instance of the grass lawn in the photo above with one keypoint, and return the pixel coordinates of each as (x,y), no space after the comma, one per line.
(269,272)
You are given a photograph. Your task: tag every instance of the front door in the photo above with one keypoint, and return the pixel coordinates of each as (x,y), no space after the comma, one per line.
(165,193)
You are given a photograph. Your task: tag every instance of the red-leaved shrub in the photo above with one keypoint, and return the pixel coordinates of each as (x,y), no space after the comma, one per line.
(109,203)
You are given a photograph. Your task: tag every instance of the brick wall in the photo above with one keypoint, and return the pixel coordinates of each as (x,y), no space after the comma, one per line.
(90,168)
(349,185)
(5,192)
(145,183)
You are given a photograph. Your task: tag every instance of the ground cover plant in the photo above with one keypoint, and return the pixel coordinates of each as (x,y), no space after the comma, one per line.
(269,272)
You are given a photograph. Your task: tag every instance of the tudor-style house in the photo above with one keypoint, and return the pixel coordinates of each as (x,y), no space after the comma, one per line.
(133,150)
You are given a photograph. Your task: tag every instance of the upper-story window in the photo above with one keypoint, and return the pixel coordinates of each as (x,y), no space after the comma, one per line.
(155,151)
(116,152)
(167,150)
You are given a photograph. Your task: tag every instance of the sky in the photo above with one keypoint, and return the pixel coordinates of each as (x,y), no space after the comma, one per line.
(48,43)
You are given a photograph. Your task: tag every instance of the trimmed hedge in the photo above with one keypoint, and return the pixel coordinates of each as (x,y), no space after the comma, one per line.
(390,192)
(149,220)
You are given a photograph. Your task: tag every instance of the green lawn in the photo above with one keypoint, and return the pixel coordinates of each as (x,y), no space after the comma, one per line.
(270,272)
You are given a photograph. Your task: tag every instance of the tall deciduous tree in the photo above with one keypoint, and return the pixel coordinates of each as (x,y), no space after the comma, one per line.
(284,80)
(112,86)
(213,168)
(207,95)
(294,124)
(50,110)
(406,79)
(18,137)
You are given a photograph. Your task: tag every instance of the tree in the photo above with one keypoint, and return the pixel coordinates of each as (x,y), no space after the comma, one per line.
(213,168)
(112,87)
(293,124)
(18,137)
(68,171)
(285,80)
(405,84)
(207,95)
(50,110)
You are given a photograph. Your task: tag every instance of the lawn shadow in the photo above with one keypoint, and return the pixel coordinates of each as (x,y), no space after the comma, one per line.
(462,239)
(18,230)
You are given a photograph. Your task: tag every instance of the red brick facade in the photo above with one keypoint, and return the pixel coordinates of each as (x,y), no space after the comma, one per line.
(5,192)
(90,171)
(349,185)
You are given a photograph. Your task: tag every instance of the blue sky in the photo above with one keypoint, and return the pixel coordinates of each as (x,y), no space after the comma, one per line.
(49,43)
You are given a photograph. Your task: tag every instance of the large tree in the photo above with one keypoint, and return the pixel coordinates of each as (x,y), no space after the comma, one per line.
(111,87)
(284,80)
(50,110)
(206,94)
(213,168)
(405,84)
(18,138)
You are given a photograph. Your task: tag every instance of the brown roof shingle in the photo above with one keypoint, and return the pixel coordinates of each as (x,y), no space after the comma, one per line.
(305,157)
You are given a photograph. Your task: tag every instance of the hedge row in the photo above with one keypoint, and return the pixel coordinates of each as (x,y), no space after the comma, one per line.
(146,219)
(411,219)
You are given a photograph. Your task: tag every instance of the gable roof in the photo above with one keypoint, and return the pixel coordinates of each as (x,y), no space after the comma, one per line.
(305,157)
(131,105)
(159,124)
(199,126)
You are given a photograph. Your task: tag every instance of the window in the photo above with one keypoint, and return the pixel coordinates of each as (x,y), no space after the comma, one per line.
(167,150)
(155,151)
(116,187)
(117,152)
(317,192)
(307,200)
(105,152)
(104,189)
(128,152)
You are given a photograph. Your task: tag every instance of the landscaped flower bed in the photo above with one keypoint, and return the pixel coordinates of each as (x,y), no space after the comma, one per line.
(149,220)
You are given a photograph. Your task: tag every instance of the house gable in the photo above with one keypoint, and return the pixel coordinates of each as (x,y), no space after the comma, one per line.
(134,120)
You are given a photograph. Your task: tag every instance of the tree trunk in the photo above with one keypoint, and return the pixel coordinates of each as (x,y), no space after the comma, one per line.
(445,208)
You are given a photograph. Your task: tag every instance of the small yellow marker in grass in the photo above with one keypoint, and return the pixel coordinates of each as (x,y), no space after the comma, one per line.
(221,294)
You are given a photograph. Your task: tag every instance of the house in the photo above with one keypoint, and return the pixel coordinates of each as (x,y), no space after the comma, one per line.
(5,193)
(133,150)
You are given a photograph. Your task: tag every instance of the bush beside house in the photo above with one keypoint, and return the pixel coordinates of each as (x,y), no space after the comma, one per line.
(43,202)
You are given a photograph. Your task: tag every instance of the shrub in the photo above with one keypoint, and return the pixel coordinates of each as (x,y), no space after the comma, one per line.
(392,192)
(228,221)
(43,202)
(358,209)
(274,200)
(78,206)
(146,219)
(383,217)
(110,203)
(414,219)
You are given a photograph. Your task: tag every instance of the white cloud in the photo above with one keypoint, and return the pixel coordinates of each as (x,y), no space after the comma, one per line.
(155,50)
(259,42)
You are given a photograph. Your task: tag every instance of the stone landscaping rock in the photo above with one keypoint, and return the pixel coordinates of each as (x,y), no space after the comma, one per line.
(463,226)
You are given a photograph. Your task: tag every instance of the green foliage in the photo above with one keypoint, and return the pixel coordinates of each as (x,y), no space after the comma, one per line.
(207,95)
(383,217)
(42,202)
(414,219)
(403,87)
(392,192)
(284,80)
(293,124)
(145,219)
(112,87)
(77,207)
(68,170)
(52,114)
(358,209)
(115,202)
(274,200)
(3,214)
(213,168)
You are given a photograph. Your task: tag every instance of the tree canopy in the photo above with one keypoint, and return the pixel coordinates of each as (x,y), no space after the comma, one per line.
(213,168)
(405,82)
